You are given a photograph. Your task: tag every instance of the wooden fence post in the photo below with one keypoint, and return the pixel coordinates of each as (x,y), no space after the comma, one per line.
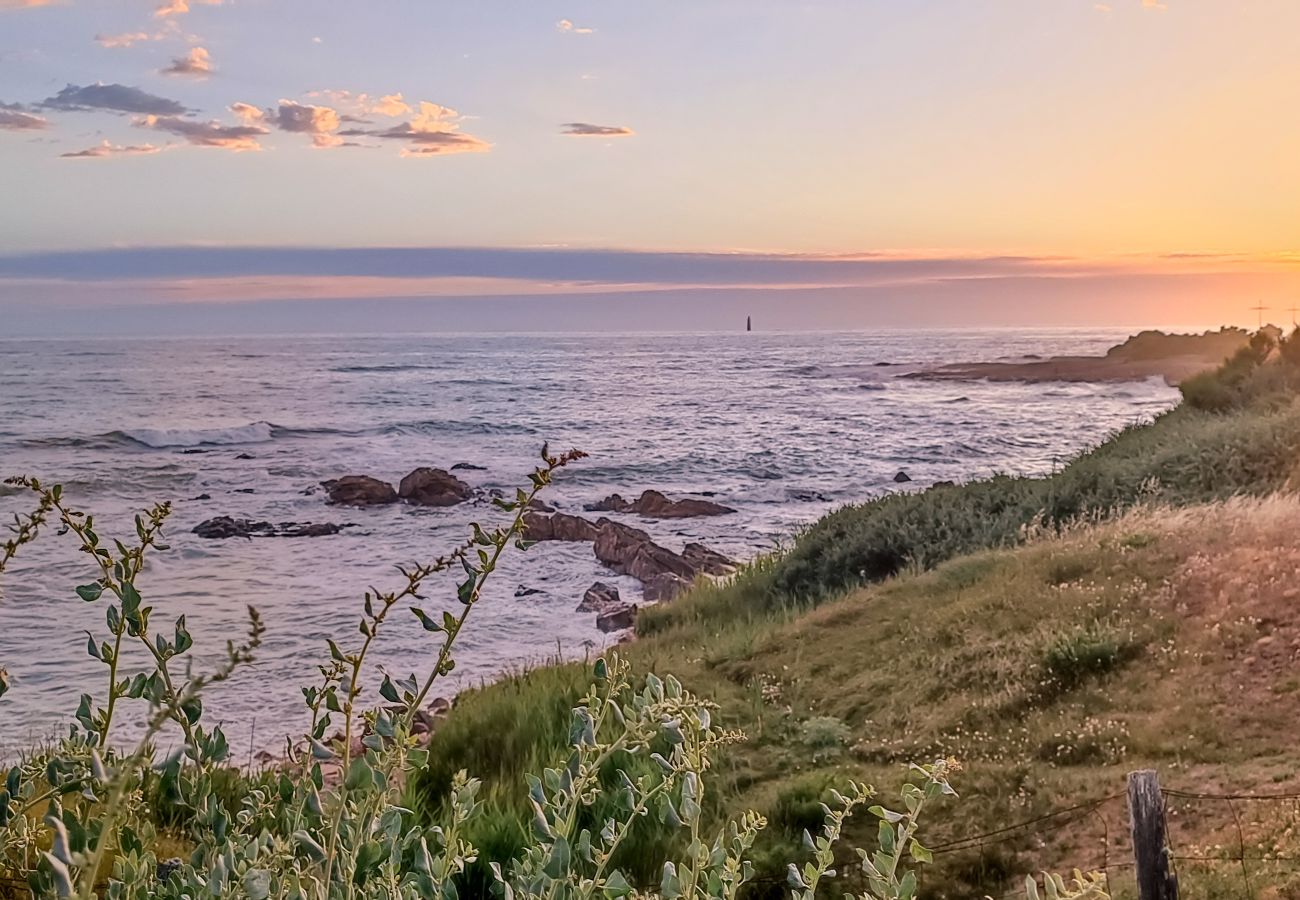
(1146,810)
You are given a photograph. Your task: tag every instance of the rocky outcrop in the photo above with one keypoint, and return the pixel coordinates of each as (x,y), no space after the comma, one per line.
(706,561)
(359,490)
(663,587)
(557,527)
(619,618)
(599,598)
(630,551)
(654,505)
(433,487)
(902,478)
(612,503)
(223,527)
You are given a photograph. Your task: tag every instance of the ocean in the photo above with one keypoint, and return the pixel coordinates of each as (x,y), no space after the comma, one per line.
(781,426)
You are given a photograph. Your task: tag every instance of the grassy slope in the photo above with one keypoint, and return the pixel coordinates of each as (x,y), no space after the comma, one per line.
(1050,667)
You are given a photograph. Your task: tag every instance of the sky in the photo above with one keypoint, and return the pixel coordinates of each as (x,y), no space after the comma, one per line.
(280,165)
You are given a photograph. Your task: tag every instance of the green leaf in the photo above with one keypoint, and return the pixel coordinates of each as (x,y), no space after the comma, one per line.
(130,599)
(90,592)
(257,884)
(616,885)
(919,853)
(359,774)
(428,623)
(886,837)
(308,844)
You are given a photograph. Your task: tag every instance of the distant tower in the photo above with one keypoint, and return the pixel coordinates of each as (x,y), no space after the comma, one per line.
(749,323)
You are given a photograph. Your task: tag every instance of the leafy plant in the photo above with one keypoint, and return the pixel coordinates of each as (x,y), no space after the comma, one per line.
(84,819)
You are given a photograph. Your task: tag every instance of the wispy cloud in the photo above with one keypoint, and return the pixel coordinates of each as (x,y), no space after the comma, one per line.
(15,117)
(197,63)
(107,149)
(1154,4)
(208,134)
(27,4)
(434,131)
(117,41)
(567,27)
(248,113)
(586,129)
(114,97)
(321,122)
(168,8)
(353,105)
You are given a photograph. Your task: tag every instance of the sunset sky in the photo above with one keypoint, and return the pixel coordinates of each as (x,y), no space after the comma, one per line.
(838,163)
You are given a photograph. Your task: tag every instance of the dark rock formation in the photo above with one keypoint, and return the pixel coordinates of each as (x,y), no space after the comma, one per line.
(654,505)
(557,527)
(663,587)
(599,598)
(619,618)
(612,503)
(359,490)
(537,504)
(706,561)
(470,467)
(202,497)
(902,478)
(525,591)
(244,456)
(223,527)
(433,487)
(630,551)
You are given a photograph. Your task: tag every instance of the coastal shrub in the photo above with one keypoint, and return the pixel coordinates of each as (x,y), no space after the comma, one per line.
(83,818)
(1070,659)
(825,737)
(1185,456)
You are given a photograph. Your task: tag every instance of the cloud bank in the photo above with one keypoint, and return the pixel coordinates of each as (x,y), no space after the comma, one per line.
(112,97)
(586,129)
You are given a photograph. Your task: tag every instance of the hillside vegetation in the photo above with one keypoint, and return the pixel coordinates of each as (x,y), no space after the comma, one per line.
(1137,608)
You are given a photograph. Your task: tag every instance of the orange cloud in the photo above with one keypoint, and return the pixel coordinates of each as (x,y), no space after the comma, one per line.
(26,4)
(179,7)
(236,138)
(248,113)
(567,27)
(434,131)
(107,149)
(197,63)
(15,117)
(321,122)
(362,104)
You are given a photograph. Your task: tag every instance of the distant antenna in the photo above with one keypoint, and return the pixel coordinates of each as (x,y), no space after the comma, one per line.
(749,323)
(1260,310)
(1293,310)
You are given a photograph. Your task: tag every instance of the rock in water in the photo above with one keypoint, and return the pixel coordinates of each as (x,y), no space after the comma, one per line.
(902,478)
(599,598)
(557,527)
(433,487)
(222,527)
(525,591)
(617,619)
(630,551)
(468,467)
(654,505)
(612,503)
(359,490)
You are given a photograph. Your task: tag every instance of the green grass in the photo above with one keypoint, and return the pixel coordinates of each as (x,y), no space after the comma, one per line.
(988,621)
